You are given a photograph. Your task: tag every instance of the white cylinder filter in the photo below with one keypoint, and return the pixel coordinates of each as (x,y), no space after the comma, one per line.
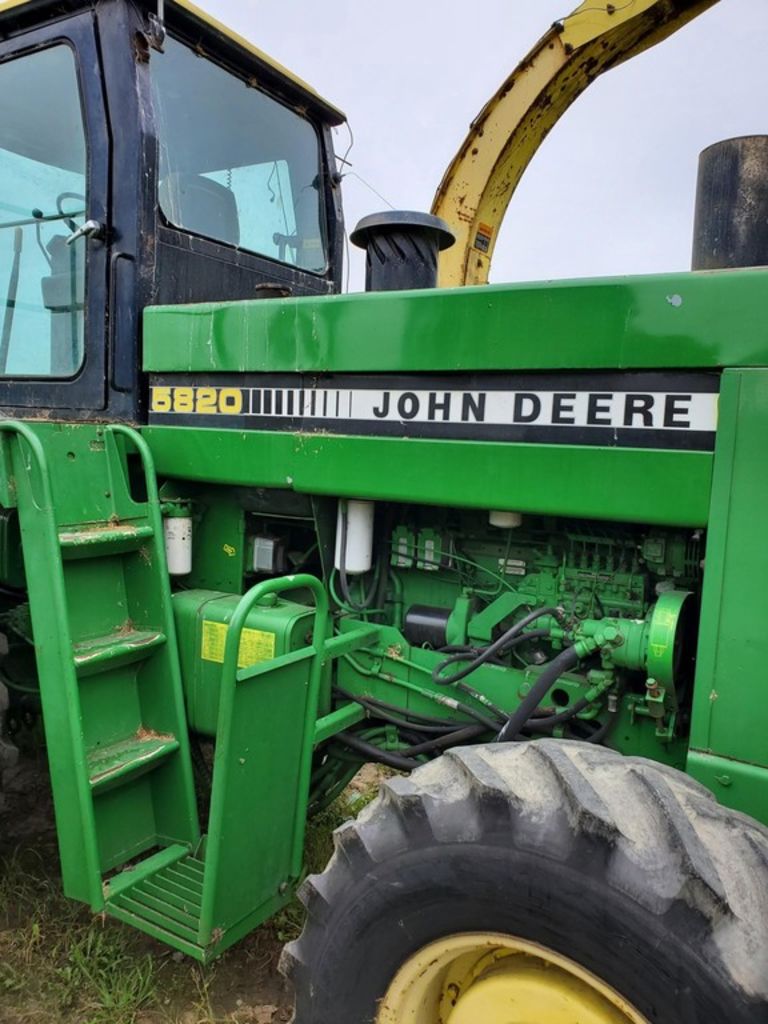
(178,544)
(504,520)
(358,556)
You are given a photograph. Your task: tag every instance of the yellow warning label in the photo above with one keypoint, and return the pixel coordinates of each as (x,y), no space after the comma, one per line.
(255,644)
(483,237)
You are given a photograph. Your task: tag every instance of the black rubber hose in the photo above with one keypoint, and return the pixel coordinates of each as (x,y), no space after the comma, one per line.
(482,699)
(392,714)
(564,661)
(402,723)
(600,734)
(468,652)
(451,739)
(456,705)
(373,753)
(417,716)
(415,739)
(473,655)
(532,634)
(498,647)
(546,722)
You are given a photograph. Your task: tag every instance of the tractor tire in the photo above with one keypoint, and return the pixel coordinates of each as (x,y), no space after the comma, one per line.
(546,881)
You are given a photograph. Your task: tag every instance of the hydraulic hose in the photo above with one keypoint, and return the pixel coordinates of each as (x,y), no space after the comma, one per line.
(547,722)
(450,739)
(482,699)
(600,734)
(393,719)
(446,734)
(564,661)
(480,655)
(373,753)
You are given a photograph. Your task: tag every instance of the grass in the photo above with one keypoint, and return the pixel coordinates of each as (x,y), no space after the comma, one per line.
(59,963)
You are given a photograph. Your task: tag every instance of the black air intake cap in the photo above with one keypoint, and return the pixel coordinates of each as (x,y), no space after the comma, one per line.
(401,249)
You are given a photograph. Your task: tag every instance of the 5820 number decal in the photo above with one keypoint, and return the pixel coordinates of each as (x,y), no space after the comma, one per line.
(200,401)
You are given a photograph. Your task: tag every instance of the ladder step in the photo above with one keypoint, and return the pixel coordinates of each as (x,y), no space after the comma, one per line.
(145,868)
(144,895)
(122,647)
(169,892)
(190,870)
(91,540)
(153,904)
(125,761)
(177,882)
(132,904)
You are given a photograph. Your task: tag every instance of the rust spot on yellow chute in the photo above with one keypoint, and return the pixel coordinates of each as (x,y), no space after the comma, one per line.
(481,180)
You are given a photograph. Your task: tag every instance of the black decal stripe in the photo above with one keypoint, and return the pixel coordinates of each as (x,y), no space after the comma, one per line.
(263,395)
(607,437)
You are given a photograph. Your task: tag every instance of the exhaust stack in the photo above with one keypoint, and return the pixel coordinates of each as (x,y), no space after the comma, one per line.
(731,224)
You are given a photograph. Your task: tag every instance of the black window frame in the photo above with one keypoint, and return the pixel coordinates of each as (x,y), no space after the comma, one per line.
(86,389)
(280,273)
(325,202)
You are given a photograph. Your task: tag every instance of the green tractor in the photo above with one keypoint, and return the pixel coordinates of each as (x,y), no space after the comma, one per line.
(505,541)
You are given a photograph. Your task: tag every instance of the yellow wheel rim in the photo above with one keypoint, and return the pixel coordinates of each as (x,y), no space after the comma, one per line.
(484,978)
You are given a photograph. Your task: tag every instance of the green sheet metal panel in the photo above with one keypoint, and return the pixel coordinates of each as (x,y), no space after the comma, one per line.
(251,841)
(682,320)
(735,784)
(633,485)
(697,321)
(730,710)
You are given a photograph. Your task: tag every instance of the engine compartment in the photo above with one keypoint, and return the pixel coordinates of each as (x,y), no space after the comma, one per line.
(470,610)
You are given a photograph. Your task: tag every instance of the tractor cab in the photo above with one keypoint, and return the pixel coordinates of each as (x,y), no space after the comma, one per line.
(145,159)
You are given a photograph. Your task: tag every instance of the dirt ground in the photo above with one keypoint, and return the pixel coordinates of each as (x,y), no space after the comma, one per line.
(59,963)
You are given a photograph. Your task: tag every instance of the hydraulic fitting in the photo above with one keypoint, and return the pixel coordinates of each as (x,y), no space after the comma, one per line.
(653,645)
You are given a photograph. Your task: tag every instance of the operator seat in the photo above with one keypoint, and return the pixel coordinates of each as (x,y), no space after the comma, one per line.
(201,205)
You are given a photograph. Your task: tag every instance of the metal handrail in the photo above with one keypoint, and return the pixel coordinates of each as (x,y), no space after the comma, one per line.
(230,678)
(24,430)
(229,671)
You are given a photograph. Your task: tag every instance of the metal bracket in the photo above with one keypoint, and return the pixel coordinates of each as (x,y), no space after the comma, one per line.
(157,33)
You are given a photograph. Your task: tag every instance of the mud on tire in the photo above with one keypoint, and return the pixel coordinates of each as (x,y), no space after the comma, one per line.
(621,864)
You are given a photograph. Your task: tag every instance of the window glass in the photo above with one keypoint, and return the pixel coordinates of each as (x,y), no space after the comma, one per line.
(236,165)
(42,201)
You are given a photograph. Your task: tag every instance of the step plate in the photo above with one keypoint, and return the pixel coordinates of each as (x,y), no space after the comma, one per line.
(122,762)
(123,647)
(166,904)
(89,540)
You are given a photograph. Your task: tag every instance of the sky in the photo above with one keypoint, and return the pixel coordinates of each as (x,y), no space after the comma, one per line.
(611,190)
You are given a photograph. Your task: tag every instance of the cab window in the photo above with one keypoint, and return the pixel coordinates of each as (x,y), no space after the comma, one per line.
(42,203)
(236,165)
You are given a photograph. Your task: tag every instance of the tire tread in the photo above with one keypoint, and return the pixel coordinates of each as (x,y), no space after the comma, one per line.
(665,840)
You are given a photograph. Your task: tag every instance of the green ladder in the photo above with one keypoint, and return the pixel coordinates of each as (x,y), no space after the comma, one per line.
(113,705)
(106,650)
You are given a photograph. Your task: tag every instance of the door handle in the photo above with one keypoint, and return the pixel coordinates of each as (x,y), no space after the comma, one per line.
(91,229)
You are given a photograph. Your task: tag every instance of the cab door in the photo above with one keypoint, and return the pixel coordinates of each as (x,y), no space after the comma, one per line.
(54,222)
